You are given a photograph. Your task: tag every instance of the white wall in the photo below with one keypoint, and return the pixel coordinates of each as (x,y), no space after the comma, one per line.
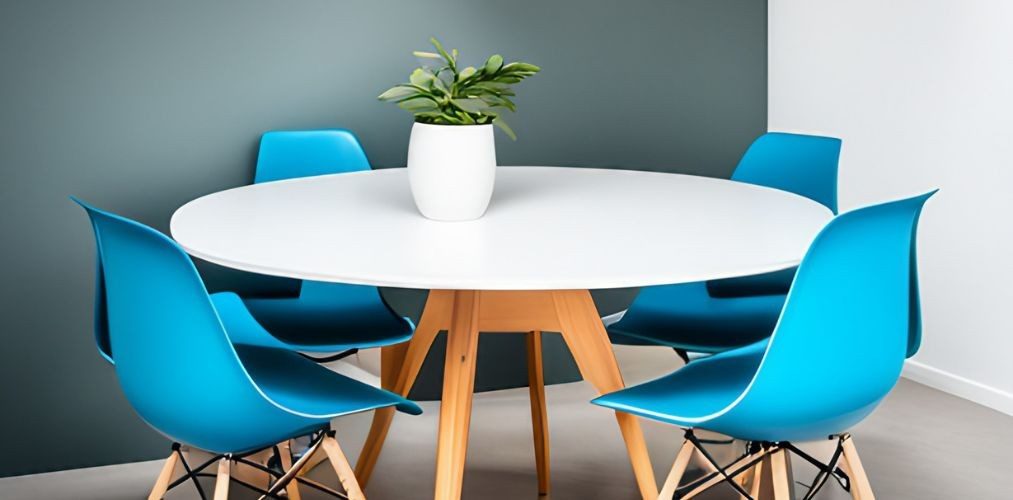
(921,92)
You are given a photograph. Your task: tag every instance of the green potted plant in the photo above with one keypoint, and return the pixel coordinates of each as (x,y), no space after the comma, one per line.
(452,150)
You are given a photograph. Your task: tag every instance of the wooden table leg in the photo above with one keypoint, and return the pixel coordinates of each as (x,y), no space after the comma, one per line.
(588,341)
(398,369)
(458,387)
(539,412)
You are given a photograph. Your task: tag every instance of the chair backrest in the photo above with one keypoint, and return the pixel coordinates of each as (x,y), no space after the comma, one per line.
(914,339)
(100,324)
(802,164)
(174,359)
(288,154)
(843,335)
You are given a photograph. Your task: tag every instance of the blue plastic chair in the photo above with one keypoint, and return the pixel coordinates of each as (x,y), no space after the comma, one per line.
(837,350)
(100,326)
(325,317)
(714,316)
(181,371)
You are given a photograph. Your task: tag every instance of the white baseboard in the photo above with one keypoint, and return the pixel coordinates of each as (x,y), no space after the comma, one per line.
(968,389)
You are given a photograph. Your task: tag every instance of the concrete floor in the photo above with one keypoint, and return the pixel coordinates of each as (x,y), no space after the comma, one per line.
(919,444)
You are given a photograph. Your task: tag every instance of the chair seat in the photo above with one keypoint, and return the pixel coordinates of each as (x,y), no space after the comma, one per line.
(355,318)
(686,317)
(307,389)
(694,394)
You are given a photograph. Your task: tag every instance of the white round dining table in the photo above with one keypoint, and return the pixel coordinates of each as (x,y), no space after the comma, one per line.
(549,236)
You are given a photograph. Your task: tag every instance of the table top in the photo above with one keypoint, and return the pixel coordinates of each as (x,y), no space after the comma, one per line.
(547,228)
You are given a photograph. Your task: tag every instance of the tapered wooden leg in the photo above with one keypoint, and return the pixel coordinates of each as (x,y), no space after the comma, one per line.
(860,487)
(458,385)
(743,481)
(779,475)
(843,464)
(585,335)
(398,370)
(164,477)
(222,483)
(678,469)
(757,479)
(242,472)
(746,478)
(341,467)
(285,450)
(539,411)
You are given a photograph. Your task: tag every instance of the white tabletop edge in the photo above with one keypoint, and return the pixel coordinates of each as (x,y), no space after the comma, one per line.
(459,282)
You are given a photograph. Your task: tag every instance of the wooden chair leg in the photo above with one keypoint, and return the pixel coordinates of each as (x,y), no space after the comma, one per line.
(315,459)
(678,469)
(539,411)
(402,374)
(701,461)
(843,464)
(222,482)
(242,472)
(860,486)
(285,450)
(341,467)
(165,477)
(744,480)
(757,479)
(779,475)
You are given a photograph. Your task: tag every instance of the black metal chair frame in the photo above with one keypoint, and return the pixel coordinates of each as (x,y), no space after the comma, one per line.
(759,450)
(280,479)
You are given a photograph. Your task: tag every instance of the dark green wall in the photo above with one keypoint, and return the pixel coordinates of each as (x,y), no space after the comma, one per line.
(139,106)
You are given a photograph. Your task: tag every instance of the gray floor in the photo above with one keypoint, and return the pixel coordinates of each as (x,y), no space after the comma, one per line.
(920,444)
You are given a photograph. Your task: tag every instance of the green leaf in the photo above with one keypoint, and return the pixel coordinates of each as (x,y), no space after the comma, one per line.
(426,55)
(471,105)
(466,73)
(489,88)
(523,67)
(423,95)
(508,79)
(397,92)
(418,104)
(493,64)
(439,84)
(439,48)
(448,119)
(504,127)
(500,101)
(421,77)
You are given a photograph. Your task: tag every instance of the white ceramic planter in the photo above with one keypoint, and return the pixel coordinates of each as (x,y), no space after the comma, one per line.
(452,170)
